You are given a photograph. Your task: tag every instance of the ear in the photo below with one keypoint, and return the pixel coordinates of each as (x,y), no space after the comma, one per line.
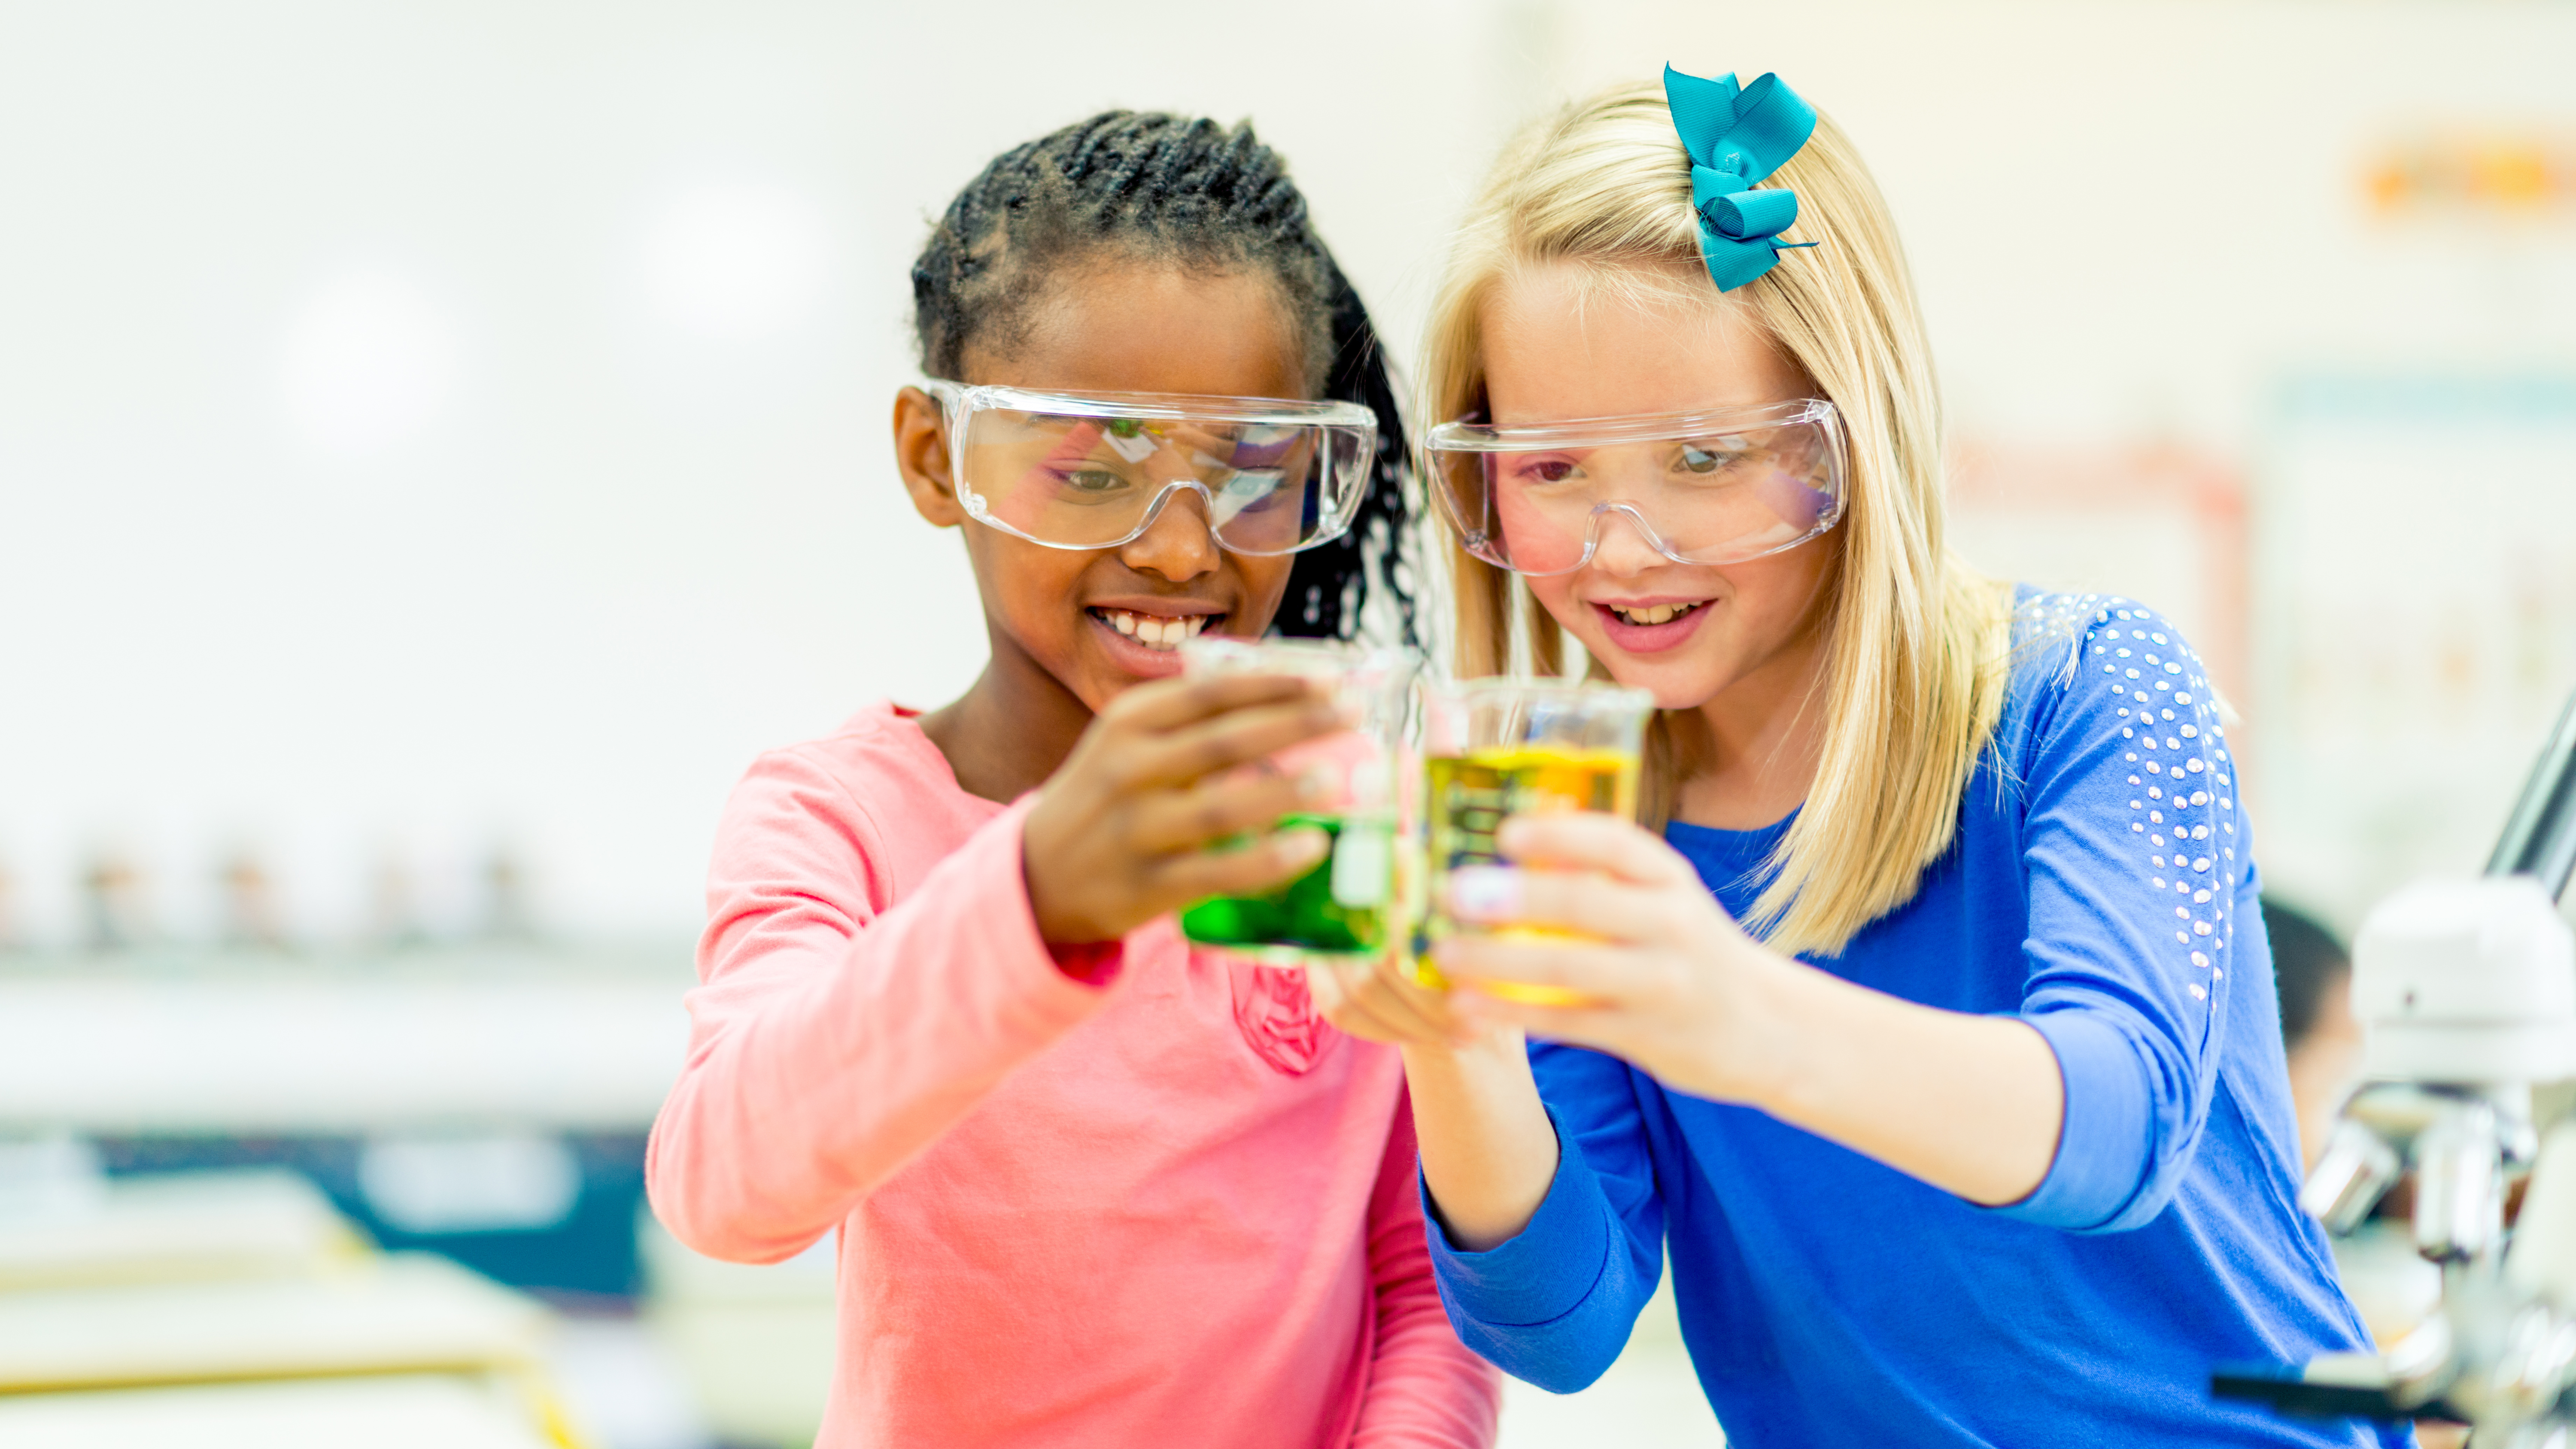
(921,456)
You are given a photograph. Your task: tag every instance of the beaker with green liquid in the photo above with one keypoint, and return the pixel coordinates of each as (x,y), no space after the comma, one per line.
(1349,904)
(1495,748)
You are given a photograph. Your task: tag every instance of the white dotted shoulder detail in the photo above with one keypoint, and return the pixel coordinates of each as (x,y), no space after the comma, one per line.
(2182,781)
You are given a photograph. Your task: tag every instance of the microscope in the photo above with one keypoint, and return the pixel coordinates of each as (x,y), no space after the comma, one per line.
(2467,990)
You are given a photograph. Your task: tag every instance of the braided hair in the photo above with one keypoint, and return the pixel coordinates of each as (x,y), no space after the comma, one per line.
(1203,196)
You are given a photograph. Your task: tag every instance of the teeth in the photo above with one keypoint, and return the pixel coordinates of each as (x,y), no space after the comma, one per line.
(1153,630)
(1654,614)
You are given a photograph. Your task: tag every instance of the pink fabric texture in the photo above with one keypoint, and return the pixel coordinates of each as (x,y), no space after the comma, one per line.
(1175,1208)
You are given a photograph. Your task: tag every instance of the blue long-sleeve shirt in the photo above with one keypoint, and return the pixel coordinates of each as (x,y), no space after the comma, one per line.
(2102,887)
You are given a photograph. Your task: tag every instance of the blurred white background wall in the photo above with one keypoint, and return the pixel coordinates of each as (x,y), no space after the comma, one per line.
(434,428)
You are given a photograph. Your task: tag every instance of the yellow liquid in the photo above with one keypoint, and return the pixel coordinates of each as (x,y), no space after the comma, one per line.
(1469,797)
(1529,992)
(1526,779)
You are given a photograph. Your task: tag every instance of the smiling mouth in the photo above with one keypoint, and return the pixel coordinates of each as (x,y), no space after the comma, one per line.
(1162,632)
(1653,613)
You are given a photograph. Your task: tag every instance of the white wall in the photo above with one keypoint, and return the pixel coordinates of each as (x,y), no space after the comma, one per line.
(590,510)
(425,425)
(2128,217)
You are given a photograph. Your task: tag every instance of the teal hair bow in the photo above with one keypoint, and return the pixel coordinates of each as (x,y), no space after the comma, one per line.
(1735,138)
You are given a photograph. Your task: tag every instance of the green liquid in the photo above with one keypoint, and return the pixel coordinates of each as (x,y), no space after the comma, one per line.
(1308,914)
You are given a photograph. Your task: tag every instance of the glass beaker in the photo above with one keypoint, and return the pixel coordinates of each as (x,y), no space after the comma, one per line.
(1348,904)
(1495,748)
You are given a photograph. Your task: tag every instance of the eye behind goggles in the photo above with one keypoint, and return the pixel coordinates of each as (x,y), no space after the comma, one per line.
(1087,470)
(1714,486)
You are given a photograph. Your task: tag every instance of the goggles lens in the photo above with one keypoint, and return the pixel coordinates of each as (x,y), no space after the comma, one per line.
(1095,470)
(1703,488)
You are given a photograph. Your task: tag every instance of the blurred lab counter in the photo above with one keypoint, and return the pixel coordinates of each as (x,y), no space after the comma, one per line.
(307,1129)
(184,1042)
(239,1309)
(489,1103)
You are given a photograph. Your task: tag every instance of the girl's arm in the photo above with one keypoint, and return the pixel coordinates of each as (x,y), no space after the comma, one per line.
(2082,1111)
(1970,1104)
(1547,1231)
(839,1031)
(1425,1388)
(1488,1148)
(1967,1103)
(833,1040)
(1553,1304)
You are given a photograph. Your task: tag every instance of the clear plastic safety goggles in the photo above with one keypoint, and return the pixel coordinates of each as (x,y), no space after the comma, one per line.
(1095,469)
(1713,487)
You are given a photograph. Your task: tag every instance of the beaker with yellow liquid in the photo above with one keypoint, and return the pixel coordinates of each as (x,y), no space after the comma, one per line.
(1495,748)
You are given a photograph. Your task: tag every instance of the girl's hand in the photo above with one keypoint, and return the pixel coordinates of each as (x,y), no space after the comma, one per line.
(1970,1103)
(1378,1000)
(1122,831)
(1668,981)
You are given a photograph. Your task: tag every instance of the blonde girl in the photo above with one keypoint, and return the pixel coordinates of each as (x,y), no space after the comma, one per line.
(1917,1024)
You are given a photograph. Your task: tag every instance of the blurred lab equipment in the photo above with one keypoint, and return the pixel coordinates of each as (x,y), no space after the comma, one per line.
(394,904)
(10,937)
(118,907)
(251,915)
(508,913)
(2469,992)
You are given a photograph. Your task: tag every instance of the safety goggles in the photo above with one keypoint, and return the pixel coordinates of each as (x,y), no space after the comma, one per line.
(1094,470)
(1713,487)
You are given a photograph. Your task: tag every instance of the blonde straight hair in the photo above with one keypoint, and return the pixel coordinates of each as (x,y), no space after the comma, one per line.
(1916,641)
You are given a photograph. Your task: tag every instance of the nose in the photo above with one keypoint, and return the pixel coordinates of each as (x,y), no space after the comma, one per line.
(1178,544)
(1622,548)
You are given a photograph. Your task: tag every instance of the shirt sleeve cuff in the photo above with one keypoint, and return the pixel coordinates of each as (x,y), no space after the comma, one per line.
(1093,963)
(1544,1272)
(2102,1139)
(1092,966)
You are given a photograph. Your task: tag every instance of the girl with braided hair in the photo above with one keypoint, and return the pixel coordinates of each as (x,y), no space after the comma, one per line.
(1091,1188)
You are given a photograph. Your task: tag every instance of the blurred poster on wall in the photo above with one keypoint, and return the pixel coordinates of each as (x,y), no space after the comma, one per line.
(2160,524)
(2415,621)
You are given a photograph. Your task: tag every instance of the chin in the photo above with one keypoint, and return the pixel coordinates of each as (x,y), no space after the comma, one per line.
(1671,693)
(1683,679)
(1675,683)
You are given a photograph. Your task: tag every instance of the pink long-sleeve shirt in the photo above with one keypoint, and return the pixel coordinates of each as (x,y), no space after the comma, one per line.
(1177,1208)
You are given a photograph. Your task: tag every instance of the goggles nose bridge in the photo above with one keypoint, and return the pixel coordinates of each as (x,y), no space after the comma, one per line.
(1163,495)
(1599,522)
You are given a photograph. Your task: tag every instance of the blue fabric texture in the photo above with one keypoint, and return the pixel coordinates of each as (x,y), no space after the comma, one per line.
(2096,888)
(1736,137)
